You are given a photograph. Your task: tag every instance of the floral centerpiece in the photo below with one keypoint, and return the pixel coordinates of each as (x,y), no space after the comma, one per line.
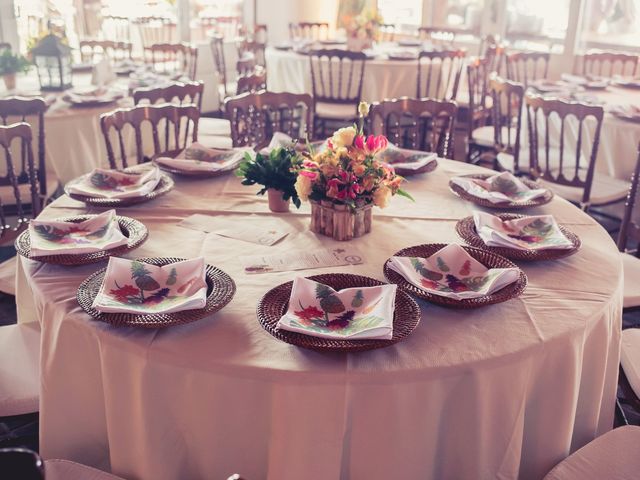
(364,29)
(275,171)
(345,180)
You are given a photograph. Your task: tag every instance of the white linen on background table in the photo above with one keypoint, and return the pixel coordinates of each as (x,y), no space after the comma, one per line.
(504,391)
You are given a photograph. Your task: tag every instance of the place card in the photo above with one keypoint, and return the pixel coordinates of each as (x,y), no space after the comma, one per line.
(301,260)
(253,229)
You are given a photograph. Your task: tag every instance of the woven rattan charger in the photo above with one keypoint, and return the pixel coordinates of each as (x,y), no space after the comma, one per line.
(275,302)
(536,202)
(134,230)
(220,290)
(165,185)
(466,228)
(488,259)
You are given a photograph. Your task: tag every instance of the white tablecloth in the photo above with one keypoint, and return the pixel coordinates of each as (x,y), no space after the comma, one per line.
(498,392)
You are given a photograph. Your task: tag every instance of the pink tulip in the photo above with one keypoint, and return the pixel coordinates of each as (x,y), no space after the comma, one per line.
(371,144)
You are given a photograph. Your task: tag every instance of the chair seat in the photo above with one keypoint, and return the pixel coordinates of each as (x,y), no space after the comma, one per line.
(631,266)
(335,111)
(612,456)
(604,190)
(214,126)
(19,369)
(67,470)
(630,356)
(215,141)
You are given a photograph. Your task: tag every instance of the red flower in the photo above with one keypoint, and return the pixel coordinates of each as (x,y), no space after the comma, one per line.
(371,144)
(306,314)
(122,293)
(429,283)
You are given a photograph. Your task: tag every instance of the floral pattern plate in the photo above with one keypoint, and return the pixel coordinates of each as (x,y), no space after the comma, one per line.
(275,304)
(489,260)
(220,289)
(466,228)
(135,232)
(507,186)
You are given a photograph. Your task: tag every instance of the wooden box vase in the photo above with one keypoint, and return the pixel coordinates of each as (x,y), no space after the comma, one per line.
(341,222)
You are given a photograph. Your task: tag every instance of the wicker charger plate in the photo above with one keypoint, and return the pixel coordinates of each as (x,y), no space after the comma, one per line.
(407,172)
(275,302)
(134,230)
(488,259)
(466,228)
(220,290)
(462,193)
(165,185)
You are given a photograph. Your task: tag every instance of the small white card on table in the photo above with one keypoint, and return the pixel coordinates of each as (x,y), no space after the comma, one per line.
(254,229)
(301,260)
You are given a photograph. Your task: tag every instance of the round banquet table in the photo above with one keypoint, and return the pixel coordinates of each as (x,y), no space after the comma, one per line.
(503,391)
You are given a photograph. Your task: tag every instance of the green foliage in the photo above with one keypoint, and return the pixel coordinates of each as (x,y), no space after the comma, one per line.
(272,171)
(424,271)
(12,62)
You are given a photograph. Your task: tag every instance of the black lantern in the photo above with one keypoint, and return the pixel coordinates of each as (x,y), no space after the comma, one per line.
(53,62)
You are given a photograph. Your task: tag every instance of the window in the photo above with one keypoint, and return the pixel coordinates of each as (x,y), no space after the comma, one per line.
(401,12)
(611,23)
(459,14)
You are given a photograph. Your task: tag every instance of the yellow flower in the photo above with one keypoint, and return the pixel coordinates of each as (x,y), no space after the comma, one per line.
(343,137)
(303,187)
(368,183)
(363,109)
(328,170)
(382,196)
(359,169)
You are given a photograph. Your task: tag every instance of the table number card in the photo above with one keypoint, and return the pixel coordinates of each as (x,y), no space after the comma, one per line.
(253,229)
(301,260)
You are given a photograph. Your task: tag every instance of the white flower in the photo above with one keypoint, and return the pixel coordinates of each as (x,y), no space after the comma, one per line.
(343,137)
(382,196)
(363,109)
(303,187)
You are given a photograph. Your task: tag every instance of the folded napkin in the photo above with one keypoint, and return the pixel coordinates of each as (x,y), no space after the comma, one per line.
(537,232)
(98,233)
(499,188)
(93,94)
(451,272)
(406,159)
(198,158)
(130,286)
(135,182)
(352,313)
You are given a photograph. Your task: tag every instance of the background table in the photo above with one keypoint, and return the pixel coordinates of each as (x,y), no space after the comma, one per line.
(499,392)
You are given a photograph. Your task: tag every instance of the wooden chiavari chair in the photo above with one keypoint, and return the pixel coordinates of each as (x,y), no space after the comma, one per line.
(252,48)
(24,203)
(438,35)
(607,64)
(336,79)
(155,30)
(18,109)
(252,82)
(507,102)
(313,31)
(439,74)
(95,50)
(116,27)
(246,65)
(229,26)
(217,48)
(479,108)
(177,93)
(525,67)
(177,121)
(387,32)
(417,124)
(173,58)
(567,167)
(255,117)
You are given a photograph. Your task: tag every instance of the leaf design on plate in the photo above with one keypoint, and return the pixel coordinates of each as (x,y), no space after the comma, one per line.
(142,277)
(466,268)
(455,284)
(342,321)
(329,302)
(173,276)
(424,271)
(442,265)
(358,299)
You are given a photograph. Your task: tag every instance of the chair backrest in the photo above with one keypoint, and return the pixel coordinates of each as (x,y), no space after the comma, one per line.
(217,48)
(525,67)
(21,463)
(629,229)
(18,109)
(177,121)
(177,58)
(246,65)
(177,93)
(337,76)
(607,64)
(228,26)
(17,137)
(549,147)
(418,124)
(439,35)
(439,74)
(508,100)
(252,82)
(94,50)
(387,32)
(116,27)
(309,31)
(478,78)
(248,47)
(255,117)
(155,30)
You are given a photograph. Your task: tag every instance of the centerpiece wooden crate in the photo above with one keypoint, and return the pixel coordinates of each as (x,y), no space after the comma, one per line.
(341,222)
